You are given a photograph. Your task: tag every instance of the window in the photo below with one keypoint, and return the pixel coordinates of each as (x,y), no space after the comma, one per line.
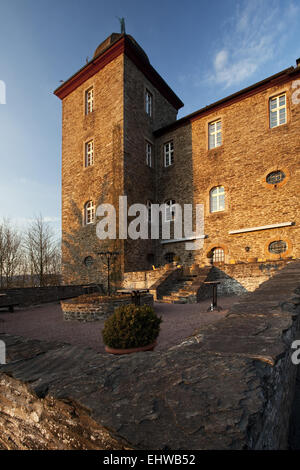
(89,153)
(148,154)
(169,153)
(89,213)
(169,257)
(275,177)
(89,100)
(88,261)
(214,134)
(277,110)
(218,255)
(277,247)
(170,210)
(149,209)
(217,199)
(148,103)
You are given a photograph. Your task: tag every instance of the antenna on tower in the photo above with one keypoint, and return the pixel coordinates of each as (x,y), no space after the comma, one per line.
(122,25)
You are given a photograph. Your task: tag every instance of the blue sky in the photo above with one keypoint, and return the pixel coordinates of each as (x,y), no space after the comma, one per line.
(204,50)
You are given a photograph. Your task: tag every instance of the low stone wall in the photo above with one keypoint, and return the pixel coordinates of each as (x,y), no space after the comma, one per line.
(93,311)
(143,279)
(25,296)
(237,279)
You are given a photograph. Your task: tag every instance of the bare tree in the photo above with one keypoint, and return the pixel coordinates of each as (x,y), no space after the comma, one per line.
(10,253)
(41,246)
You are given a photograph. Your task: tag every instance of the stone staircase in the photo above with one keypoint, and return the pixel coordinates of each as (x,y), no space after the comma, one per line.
(185,290)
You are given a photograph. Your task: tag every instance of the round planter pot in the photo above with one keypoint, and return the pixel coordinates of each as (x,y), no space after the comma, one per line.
(149,347)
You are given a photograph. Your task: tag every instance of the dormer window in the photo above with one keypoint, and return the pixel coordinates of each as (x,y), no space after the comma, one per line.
(148,103)
(89,100)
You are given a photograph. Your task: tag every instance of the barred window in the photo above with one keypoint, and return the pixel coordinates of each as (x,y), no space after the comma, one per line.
(169,153)
(148,154)
(215,134)
(277,110)
(89,153)
(275,177)
(89,213)
(88,261)
(277,247)
(217,199)
(218,255)
(89,100)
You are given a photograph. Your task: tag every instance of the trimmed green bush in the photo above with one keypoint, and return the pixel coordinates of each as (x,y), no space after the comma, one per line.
(131,326)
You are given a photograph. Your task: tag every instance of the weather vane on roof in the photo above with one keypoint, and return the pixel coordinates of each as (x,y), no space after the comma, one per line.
(122,24)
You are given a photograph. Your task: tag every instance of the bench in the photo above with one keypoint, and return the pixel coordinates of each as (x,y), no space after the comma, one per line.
(7,303)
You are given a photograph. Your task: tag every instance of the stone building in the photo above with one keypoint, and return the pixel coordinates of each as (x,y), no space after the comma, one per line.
(238,157)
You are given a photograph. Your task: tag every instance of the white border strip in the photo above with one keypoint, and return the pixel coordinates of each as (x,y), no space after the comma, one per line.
(263,227)
(187,239)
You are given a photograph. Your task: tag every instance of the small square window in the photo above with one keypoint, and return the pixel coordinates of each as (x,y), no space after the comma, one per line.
(148,103)
(169,153)
(215,134)
(277,107)
(89,100)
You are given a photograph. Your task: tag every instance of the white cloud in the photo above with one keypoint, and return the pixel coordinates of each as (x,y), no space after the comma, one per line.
(253,36)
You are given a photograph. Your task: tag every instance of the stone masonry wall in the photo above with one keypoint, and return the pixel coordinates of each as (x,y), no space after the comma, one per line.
(35,295)
(97,311)
(103,181)
(250,150)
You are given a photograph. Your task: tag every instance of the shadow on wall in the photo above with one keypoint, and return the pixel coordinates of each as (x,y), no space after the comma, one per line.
(228,286)
(80,247)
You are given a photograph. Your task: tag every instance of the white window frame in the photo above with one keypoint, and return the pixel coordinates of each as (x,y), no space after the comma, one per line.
(89,100)
(148,102)
(89,213)
(169,153)
(276,110)
(170,210)
(214,133)
(89,153)
(217,192)
(218,255)
(149,154)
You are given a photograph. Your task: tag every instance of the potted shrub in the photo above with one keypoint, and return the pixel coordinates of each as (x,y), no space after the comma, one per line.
(131,328)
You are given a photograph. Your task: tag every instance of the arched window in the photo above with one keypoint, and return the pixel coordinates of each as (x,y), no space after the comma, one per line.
(170,210)
(89,213)
(217,199)
(169,257)
(218,255)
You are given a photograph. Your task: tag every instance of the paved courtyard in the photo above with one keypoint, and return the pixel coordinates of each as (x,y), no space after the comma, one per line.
(45,322)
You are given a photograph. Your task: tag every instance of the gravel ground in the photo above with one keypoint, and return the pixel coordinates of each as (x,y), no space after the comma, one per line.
(45,322)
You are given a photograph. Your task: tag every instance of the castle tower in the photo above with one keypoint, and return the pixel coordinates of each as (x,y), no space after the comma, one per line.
(110,109)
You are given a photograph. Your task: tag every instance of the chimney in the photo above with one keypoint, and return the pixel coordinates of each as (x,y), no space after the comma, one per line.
(298,62)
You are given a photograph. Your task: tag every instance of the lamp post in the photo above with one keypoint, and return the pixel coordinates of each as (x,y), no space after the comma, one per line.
(108,258)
